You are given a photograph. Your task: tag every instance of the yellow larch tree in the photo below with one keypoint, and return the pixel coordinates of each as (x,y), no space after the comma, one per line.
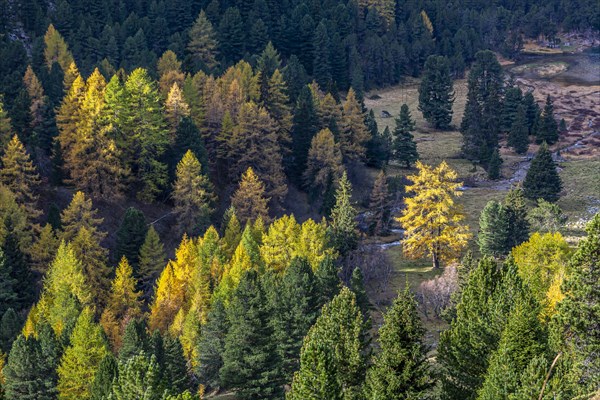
(176,108)
(432,221)
(313,243)
(124,303)
(353,131)
(278,245)
(250,201)
(56,49)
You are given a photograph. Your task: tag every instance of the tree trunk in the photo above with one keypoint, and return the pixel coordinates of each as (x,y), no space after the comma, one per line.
(436,262)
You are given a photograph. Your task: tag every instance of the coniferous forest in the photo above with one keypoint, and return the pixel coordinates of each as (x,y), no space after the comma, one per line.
(197,200)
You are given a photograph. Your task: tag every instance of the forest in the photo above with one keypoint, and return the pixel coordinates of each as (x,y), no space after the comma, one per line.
(205,200)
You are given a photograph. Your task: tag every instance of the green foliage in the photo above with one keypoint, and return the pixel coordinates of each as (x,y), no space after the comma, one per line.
(518,135)
(405,148)
(542,179)
(495,163)
(250,361)
(513,98)
(203,45)
(108,370)
(400,370)
(548,128)
(546,217)
(380,206)
(138,378)
(342,228)
(494,230)
(436,95)
(135,340)
(15,273)
(131,236)
(212,344)
(152,259)
(332,358)
(10,327)
(516,211)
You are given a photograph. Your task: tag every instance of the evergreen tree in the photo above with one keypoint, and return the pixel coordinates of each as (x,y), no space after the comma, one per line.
(249,200)
(42,252)
(17,268)
(108,370)
(249,359)
(80,361)
(400,370)
(131,235)
(379,147)
(322,55)
(516,211)
(20,176)
(522,340)
(494,230)
(380,206)
(5,126)
(342,228)
(405,148)
(212,344)
(295,305)
(152,259)
(8,284)
(513,99)
(193,195)
(135,340)
(174,367)
(231,35)
(276,102)
(494,167)
(324,161)
(481,121)
(304,128)
(10,327)
(203,45)
(188,137)
(532,111)
(357,284)
(139,377)
(518,135)
(436,94)
(548,128)
(546,217)
(542,180)
(353,132)
(578,312)
(332,363)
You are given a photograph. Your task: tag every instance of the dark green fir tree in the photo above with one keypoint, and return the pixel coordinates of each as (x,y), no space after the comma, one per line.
(542,180)
(405,148)
(436,94)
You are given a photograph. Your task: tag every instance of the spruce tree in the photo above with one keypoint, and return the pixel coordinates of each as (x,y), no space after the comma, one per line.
(249,200)
(80,361)
(108,370)
(304,127)
(481,121)
(203,44)
(152,259)
(548,128)
(322,55)
(131,236)
(532,111)
(17,266)
(135,340)
(518,135)
(332,363)
(380,206)
(139,378)
(342,228)
(494,230)
(188,137)
(8,285)
(494,167)
(542,180)
(405,148)
(250,361)
(193,196)
(516,211)
(174,372)
(578,312)
(5,126)
(10,327)
(513,97)
(436,94)
(401,369)
(211,345)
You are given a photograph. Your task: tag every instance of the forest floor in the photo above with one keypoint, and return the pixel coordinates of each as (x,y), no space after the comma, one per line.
(577,153)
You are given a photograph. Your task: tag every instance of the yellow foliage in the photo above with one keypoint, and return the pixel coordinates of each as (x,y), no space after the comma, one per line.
(168,299)
(312,243)
(278,244)
(431,219)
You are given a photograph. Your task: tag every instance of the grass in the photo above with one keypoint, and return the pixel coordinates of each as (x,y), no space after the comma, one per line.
(580,199)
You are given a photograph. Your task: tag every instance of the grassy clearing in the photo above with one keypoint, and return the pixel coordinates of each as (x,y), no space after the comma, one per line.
(580,199)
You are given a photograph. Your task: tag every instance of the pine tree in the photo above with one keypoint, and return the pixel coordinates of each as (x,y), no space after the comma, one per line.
(548,128)
(324,161)
(405,148)
(353,132)
(231,35)
(10,327)
(578,312)
(188,137)
(135,340)
(277,104)
(266,65)
(546,217)
(193,196)
(5,126)
(322,55)
(211,345)
(56,49)
(80,361)
(131,235)
(139,377)
(494,167)
(152,259)
(481,121)
(123,304)
(431,220)
(380,146)
(342,228)
(518,136)
(513,99)
(542,180)
(494,230)
(8,284)
(380,206)
(20,176)
(436,95)
(249,200)
(17,266)
(169,70)
(357,285)
(108,370)
(249,359)
(522,340)
(331,360)
(400,370)
(304,127)
(516,211)
(532,111)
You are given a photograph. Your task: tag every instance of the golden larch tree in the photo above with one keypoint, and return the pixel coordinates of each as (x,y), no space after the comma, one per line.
(432,221)
(353,131)
(249,200)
